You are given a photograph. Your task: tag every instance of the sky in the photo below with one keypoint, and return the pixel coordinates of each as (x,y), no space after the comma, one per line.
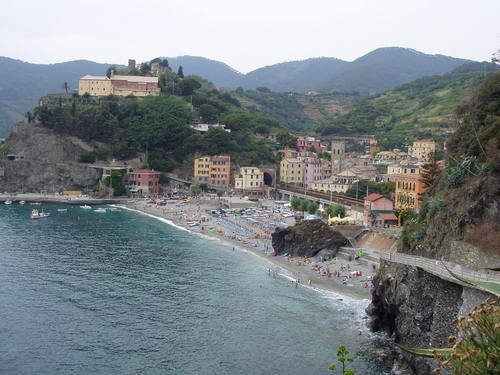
(245,34)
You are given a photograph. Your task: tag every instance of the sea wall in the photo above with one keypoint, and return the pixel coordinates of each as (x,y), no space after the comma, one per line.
(417,308)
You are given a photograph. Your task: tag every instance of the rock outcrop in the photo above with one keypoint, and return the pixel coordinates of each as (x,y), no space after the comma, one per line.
(308,238)
(417,308)
(49,162)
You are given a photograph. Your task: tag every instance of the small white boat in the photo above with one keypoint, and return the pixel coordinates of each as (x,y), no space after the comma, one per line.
(35,203)
(62,210)
(86,207)
(35,214)
(8,202)
(114,209)
(22,202)
(101,210)
(192,223)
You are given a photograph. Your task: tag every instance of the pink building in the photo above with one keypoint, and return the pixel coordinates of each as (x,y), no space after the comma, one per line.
(314,170)
(144,182)
(378,211)
(306,143)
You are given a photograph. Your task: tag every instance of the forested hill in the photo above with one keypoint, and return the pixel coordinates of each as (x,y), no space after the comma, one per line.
(22,84)
(423,108)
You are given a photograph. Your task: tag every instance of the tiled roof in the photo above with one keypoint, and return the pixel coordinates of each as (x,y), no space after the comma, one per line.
(373,197)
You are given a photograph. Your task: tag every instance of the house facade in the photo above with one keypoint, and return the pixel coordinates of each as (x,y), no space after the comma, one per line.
(378,210)
(144,182)
(250,180)
(409,188)
(422,150)
(292,171)
(118,85)
(305,144)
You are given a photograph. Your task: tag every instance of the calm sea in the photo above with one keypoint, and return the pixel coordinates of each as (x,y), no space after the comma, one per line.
(122,293)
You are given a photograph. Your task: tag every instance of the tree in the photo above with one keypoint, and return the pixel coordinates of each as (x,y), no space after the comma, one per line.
(304,205)
(110,71)
(313,207)
(295,203)
(65,86)
(342,357)
(336,210)
(196,189)
(180,72)
(29,116)
(430,172)
(208,113)
(116,183)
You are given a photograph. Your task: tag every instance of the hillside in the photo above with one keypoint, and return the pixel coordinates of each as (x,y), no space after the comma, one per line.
(222,75)
(295,112)
(423,108)
(296,76)
(22,84)
(386,68)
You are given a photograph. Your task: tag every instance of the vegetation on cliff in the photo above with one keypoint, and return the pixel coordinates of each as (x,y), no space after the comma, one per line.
(462,204)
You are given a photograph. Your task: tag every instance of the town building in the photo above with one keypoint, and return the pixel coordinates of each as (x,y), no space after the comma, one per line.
(422,150)
(372,147)
(287,153)
(118,85)
(292,171)
(250,181)
(338,155)
(203,128)
(378,210)
(390,157)
(308,144)
(409,188)
(202,170)
(315,169)
(144,182)
(220,171)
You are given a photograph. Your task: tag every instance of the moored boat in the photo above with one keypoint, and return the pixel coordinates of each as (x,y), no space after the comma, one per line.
(35,214)
(86,207)
(22,202)
(8,201)
(100,209)
(62,210)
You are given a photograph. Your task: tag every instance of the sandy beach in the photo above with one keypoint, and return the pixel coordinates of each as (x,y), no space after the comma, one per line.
(340,275)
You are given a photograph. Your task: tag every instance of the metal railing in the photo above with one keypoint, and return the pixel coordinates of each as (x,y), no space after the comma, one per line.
(437,268)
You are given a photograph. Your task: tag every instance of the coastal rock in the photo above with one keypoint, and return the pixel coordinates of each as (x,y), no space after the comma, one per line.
(308,238)
(417,308)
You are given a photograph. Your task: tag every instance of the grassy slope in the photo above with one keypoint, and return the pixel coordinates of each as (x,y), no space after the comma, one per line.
(422,108)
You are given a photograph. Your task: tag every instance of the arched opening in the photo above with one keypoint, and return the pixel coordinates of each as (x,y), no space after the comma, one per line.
(268,179)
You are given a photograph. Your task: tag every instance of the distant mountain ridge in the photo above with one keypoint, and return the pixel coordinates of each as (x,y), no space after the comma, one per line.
(22,83)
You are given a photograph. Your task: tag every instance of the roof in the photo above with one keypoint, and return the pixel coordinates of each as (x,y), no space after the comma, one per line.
(388,216)
(373,197)
(146,171)
(89,77)
(135,79)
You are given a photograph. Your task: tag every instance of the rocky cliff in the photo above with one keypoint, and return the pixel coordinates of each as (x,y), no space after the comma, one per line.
(49,162)
(417,308)
(308,238)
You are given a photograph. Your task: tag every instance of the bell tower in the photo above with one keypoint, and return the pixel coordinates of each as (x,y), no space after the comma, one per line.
(338,151)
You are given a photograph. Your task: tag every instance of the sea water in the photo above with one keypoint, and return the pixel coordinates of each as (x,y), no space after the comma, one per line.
(83,292)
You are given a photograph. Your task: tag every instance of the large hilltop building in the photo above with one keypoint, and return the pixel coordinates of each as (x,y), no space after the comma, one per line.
(118,85)
(214,171)
(422,150)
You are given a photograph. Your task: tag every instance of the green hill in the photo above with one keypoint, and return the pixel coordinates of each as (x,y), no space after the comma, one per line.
(423,108)
(295,112)
(22,84)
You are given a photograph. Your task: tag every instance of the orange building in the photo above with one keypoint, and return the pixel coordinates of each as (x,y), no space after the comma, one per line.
(409,188)
(220,170)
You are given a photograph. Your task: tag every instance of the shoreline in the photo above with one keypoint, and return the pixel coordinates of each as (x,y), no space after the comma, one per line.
(357,287)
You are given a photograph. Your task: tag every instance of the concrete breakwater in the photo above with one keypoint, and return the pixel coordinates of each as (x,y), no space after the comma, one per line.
(46,198)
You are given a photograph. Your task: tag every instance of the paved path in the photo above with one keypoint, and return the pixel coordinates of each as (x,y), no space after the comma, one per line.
(437,268)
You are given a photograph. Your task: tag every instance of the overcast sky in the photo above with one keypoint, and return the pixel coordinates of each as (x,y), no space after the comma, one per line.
(244,34)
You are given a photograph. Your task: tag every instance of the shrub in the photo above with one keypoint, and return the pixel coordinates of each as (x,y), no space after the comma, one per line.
(87,157)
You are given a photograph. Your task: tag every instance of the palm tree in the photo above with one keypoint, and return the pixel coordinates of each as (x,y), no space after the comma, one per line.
(65,86)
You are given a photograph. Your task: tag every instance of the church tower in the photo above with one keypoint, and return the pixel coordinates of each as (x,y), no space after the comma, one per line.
(338,151)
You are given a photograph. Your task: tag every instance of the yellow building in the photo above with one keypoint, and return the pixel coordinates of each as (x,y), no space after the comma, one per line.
(118,85)
(422,150)
(250,178)
(202,169)
(292,171)
(95,86)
